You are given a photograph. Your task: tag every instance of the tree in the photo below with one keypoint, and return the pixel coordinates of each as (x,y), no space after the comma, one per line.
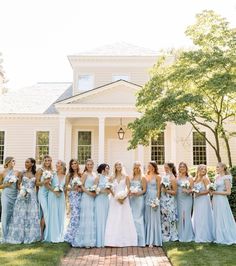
(198,87)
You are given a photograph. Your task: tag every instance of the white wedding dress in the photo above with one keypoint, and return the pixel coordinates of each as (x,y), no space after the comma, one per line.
(120,228)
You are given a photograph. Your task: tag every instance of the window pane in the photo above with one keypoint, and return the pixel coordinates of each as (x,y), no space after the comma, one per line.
(42,138)
(85,82)
(84,146)
(42,145)
(158,149)
(2,140)
(199,149)
(84,138)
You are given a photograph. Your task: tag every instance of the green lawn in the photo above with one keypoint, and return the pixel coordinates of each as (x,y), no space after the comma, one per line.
(41,254)
(181,254)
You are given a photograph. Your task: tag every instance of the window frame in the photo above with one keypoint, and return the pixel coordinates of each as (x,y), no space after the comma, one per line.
(77,138)
(35,142)
(192,150)
(162,146)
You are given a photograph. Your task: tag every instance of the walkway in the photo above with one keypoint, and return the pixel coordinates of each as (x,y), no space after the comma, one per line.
(130,256)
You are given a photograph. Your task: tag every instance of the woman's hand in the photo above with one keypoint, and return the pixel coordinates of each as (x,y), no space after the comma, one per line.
(57,193)
(7,184)
(121,201)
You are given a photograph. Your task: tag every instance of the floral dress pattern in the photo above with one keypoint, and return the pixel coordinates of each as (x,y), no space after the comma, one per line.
(168,215)
(74,199)
(25,223)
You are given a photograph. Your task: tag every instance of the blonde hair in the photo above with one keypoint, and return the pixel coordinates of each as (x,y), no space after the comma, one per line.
(88,160)
(140,168)
(199,168)
(63,164)
(44,158)
(223,165)
(123,172)
(7,161)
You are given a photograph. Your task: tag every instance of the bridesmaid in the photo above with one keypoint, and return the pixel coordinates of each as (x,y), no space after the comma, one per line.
(54,231)
(75,193)
(223,220)
(85,236)
(43,183)
(184,204)
(152,215)
(202,211)
(138,182)
(169,204)
(25,223)
(9,184)
(101,203)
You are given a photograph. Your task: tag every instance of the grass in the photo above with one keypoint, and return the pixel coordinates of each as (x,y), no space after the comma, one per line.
(40,254)
(181,254)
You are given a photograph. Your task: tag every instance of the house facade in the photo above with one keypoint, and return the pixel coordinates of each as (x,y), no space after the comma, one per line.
(81,119)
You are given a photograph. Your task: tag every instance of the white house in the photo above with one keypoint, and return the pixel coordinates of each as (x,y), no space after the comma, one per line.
(81,119)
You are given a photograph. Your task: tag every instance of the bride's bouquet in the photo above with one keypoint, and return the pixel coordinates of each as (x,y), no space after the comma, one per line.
(185,184)
(121,195)
(58,188)
(211,186)
(154,203)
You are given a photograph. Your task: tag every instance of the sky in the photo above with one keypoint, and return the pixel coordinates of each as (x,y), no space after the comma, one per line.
(37,35)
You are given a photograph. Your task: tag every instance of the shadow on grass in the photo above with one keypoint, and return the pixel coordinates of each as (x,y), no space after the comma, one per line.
(40,254)
(200,254)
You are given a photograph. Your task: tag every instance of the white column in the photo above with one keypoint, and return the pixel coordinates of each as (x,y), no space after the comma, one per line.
(173,143)
(101,140)
(141,154)
(68,137)
(62,126)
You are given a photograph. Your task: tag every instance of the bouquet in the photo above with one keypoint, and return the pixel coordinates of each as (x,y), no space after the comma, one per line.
(154,203)
(23,192)
(76,182)
(185,184)
(58,188)
(121,195)
(165,182)
(196,188)
(211,186)
(135,189)
(13,179)
(92,188)
(47,175)
(109,185)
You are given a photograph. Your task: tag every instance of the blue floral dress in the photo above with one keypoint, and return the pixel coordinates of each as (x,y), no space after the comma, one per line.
(25,224)
(75,201)
(168,215)
(8,199)
(224,228)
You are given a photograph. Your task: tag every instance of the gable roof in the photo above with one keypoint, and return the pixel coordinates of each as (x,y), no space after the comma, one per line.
(37,99)
(119,49)
(97,90)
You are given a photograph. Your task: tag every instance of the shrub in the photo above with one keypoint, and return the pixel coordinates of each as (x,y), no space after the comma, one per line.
(232,197)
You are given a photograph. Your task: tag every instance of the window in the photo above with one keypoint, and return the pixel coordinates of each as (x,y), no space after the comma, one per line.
(199,148)
(84,146)
(85,82)
(2,142)
(158,149)
(118,77)
(42,145)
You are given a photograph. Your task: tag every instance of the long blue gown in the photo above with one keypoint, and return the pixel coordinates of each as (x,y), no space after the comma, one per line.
(152,216)
(223,220)
(184,208)
(54,231)
(202,217)
(85,236)
(8,199)
(169,215)
(101,212)
(137,206)
(75,201)
(25,224)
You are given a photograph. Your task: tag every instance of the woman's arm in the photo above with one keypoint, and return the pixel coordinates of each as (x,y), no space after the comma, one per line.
(67,184)
(158,181)
(38,177)
(172,191)
(224,193)
(144,187)
(7,184)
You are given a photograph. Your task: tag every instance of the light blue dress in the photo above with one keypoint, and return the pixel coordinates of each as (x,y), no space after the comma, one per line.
(137,206)
(169,215)
(184,208)
(152,216)
(85,236)
(223,220)
(25,223)
(101,212)
(202,216)
(8,199)
(54,231)
(75,201)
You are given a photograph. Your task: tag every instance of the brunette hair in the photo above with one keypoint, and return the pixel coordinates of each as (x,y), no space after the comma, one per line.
(71,171)
(172,168)
(33,168)
(102,167)
(185,165)
(154,164)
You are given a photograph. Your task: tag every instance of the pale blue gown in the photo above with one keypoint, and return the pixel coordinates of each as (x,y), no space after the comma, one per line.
(169,215)
(101,212)
(223,220)
(25,223)
(54,231)
(75,201)
(8,199)
(202,218)
(152,216)
(137,206)
(184,208)
(85,236)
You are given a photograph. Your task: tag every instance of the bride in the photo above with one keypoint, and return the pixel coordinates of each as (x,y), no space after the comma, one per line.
(120,228)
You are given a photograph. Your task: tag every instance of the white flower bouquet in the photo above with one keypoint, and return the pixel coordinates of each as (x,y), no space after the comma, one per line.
(211,186)
(13,179)
(135,189)
(92,188)
(58,188)
(185,184)
(165,183)
(121,195)
(108,185)
(24,192)
(76,182)
(47,175)
(98,190)
(154,203)
(196,188)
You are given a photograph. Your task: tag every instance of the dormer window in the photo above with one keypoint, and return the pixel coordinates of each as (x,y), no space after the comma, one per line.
(85,82)
(118,77)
